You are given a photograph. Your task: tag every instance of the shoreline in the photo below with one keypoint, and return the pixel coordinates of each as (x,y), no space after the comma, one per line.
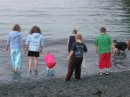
(117,84)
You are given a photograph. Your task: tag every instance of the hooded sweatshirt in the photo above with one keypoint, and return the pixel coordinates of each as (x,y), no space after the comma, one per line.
(50,60)
(35,42)
(15,40)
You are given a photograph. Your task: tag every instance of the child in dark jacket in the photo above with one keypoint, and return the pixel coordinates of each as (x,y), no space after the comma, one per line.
(75,58)
(71,40)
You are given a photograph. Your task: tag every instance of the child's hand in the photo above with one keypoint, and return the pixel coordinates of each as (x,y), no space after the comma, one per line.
(96,50)
(68,58)
(25,52)
(5,50)
(41,51)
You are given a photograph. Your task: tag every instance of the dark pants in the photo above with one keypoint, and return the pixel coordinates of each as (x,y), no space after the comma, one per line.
(74,66)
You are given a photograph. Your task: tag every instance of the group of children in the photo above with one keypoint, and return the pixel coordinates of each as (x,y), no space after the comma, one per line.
(104,48)
(34,45)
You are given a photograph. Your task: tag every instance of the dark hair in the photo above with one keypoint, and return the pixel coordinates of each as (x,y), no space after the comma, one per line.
(16,28)
(75,31)
(114,41)
(35,29)
(103,29)
(78,36)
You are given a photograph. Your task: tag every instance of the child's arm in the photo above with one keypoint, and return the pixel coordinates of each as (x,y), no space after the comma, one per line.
(27,43)
(6,47)
(113,48)
(96,49)
(41,50)
(96,44)
(21,42)
(70,55)
(85,48)
(25,49)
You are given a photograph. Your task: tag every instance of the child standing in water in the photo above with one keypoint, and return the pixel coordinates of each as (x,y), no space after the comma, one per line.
(71,40)
(50,63)
(34,45)
(103,44)
(15,42)
(75,58)
(119,47)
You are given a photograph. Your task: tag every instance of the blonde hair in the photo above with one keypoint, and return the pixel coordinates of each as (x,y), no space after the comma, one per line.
(78,36)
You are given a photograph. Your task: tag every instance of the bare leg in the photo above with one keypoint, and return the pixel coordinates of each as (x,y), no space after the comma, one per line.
(36,62)
(30,63)
(36,65)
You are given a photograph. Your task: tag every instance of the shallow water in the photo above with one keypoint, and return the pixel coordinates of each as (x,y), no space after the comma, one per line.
(119,63)
(57,19)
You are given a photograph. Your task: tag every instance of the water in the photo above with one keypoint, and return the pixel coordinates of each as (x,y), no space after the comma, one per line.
(57,19)
(62,16)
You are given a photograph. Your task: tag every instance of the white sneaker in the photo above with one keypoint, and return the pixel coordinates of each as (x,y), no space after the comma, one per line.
(107,73)
(100,73)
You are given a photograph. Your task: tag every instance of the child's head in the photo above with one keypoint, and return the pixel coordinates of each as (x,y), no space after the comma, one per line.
(16,28)
(114,41)
(35,29)
(103,30)
(75,31)
(78,37)
(48,52)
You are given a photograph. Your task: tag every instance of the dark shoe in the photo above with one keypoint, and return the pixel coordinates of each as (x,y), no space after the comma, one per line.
(36,72)
(30,72)
(77,78)
(66,79)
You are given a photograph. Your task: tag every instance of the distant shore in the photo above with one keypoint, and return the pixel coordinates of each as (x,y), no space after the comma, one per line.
(113,85)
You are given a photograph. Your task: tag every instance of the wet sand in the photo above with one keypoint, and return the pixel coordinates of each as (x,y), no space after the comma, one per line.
(113,85)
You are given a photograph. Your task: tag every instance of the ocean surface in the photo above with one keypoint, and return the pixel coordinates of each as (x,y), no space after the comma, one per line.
(57,19)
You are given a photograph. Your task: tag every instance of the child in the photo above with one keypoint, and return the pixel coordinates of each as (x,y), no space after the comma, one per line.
(15,42)
(34,45)
(119,46)
(103,47)
(71,40)
(75,58)
(50,63)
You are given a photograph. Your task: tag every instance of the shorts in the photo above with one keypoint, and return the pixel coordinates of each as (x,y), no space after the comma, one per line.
(105,60)
(33,54)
